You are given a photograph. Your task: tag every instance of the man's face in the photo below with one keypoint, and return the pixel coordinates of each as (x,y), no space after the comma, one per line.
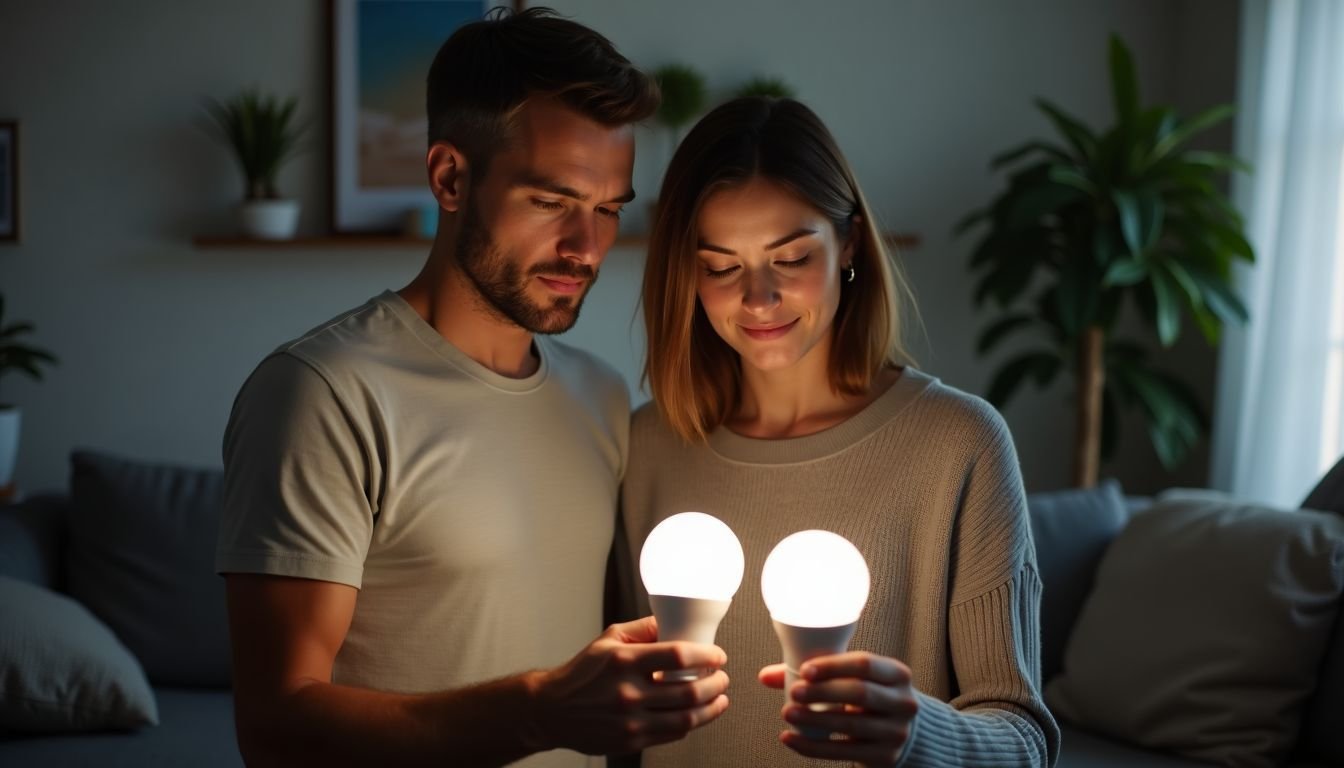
(536,229)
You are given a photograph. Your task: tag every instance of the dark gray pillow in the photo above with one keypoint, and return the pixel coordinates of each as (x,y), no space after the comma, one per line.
(141,557)
(1328,495)
(1072,530)
(1206,628)
(62,670)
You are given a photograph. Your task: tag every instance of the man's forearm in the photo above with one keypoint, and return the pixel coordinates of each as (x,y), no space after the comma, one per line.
(489,724)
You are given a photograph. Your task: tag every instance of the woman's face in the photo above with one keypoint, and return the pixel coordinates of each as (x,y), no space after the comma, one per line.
(769,274)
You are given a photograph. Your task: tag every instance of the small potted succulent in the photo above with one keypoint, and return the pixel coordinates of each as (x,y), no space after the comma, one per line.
(15,357)
(264,133)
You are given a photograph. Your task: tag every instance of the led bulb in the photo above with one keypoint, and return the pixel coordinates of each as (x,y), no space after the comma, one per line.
(815,584)
(692,554)
(692,566)
(815,579)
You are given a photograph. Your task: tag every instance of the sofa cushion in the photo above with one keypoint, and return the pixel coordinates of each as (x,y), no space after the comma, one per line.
(141,557)
(62,670)
(1328,495)
(1072,530)
(30,540)
(1205,630)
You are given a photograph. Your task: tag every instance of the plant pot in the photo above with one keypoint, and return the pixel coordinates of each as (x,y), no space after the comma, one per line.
(9,444)
(269,219)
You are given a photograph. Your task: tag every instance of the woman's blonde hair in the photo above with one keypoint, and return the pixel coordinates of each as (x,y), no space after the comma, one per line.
(694,376)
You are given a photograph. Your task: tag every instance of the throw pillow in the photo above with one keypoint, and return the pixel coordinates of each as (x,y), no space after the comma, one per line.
(141,557)
(62,670)
(1205,630)
(1328,494)
(1071,529)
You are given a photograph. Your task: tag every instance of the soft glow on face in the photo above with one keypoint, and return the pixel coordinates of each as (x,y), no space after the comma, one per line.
(692,555)
(815,579)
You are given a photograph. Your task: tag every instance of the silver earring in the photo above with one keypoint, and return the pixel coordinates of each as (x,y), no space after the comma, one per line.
(849,274)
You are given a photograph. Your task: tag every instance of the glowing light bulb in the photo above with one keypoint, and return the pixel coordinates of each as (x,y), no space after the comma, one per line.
(691,565)
(815,584)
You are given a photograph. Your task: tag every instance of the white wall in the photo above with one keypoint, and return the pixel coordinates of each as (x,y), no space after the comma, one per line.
(155,336)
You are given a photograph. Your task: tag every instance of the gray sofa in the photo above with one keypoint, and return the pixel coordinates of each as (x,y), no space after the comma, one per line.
(133,542)
(129,548)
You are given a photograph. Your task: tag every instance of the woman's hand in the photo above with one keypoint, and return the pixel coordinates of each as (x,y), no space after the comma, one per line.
(872,706)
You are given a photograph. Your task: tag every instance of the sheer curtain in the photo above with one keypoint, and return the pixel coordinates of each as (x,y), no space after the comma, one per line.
(1277,416)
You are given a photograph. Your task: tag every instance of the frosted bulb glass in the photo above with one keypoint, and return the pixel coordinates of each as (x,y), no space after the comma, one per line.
(815,579)
(692,554)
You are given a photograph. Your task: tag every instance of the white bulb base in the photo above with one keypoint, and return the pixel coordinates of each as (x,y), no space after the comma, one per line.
(693,619)
(802,643)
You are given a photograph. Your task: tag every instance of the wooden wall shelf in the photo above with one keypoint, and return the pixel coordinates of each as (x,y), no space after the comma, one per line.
(900,240)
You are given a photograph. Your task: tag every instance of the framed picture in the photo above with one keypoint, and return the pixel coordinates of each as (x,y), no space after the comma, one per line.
(9,181)
(380,54)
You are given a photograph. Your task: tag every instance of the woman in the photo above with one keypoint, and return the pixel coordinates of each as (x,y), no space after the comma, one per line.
(781,403)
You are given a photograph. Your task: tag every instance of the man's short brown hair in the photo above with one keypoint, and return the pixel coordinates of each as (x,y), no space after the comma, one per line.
(488,69)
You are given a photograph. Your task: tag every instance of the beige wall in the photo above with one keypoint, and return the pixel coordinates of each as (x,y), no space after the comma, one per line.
(156,336)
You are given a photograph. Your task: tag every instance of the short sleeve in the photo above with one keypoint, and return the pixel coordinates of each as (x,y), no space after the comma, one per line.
(295,479)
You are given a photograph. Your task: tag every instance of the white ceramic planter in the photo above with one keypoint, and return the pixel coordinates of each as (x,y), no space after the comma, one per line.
(269,219)
(9,443)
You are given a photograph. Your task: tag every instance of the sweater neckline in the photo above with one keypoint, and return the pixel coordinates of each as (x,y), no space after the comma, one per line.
(792,450)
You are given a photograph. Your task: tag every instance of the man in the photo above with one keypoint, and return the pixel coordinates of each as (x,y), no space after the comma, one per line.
(420,493)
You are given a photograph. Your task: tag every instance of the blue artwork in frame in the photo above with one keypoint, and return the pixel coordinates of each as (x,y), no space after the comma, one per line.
(381,52)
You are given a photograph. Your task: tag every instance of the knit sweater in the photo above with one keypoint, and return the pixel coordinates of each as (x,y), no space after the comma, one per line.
(925,482)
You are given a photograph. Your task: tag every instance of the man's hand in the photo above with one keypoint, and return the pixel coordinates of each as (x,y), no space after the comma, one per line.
(872,707)
(605,700)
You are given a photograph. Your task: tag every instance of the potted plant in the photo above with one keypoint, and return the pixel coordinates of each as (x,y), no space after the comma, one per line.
(21,358)
(760,85)
(1088,223)
(263,133)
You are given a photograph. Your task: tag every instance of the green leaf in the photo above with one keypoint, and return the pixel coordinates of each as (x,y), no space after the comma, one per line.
(1040,365)
(1070,177)
(971,219)
(1124,85)
(999,330)
(1214,160)
(17,329)
(1038,201)
(1017,153)
(1201,122)
(1131,227)
(1124,272)
(1168,310)
(1219,297)
(1077,134)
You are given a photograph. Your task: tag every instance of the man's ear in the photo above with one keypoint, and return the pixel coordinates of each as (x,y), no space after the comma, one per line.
(448,175)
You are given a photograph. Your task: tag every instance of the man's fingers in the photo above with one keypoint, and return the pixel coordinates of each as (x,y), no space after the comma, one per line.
(643,630)
(694,693)
(773,675)
(661,657)
(860,664)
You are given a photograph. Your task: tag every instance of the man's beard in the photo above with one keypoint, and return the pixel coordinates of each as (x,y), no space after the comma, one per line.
(503,287)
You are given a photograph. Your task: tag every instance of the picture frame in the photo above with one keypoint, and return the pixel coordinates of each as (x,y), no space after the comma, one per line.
(381,51)
(9,181)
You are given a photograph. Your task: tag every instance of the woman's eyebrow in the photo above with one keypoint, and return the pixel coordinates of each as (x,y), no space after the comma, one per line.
(781,242)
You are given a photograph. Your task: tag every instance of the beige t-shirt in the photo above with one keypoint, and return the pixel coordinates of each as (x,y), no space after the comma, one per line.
(474,512)
(925,482)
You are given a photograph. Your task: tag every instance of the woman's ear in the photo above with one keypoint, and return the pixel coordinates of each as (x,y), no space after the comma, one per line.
(448,175)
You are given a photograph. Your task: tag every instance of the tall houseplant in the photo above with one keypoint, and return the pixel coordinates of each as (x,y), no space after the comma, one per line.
(15,357)
(1127,213)
(263,132)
